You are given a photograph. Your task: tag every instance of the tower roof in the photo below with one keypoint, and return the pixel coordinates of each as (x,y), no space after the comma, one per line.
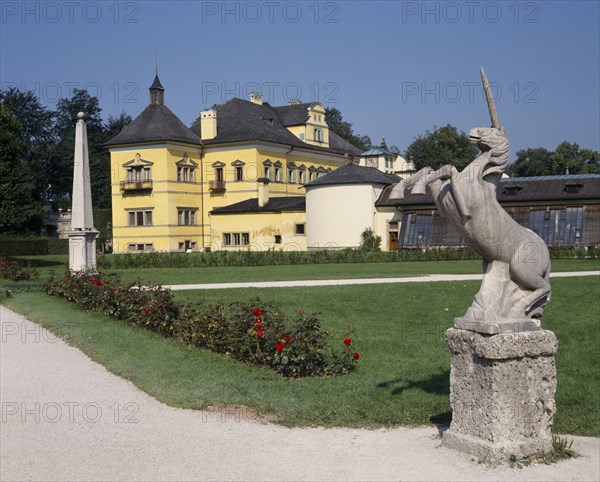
(156,123)
(156,84)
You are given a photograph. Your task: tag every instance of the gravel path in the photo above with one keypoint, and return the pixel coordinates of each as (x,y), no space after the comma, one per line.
(65,417)
(357,281)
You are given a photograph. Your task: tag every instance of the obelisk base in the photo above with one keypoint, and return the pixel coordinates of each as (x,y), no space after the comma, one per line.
(82,250)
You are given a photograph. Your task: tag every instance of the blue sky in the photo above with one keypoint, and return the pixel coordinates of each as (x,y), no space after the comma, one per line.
(394,69)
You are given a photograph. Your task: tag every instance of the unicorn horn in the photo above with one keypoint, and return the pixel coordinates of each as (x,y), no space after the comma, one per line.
(490,100)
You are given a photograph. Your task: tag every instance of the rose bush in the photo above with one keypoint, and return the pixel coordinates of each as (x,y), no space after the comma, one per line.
(257,332)
(14,271)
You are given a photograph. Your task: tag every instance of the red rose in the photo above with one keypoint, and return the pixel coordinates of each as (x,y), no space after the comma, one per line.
(356,356)
(146,312)
(258,327)
(259,334)
(279,347)
(287,339)
(257,312)
(347,341)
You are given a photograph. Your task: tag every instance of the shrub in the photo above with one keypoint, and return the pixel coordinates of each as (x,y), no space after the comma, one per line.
(369,241)
(14,271)
(258,333)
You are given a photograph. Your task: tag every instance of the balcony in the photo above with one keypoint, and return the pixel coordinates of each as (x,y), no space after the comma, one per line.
(216,186)
(129,186)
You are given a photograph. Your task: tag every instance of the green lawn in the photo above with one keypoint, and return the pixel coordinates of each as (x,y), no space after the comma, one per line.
(404,367)
(295,272)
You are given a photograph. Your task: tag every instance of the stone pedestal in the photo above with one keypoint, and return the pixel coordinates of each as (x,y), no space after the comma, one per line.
(82,250)
(502,393)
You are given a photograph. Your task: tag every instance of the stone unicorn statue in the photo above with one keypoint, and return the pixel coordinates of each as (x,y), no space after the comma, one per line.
(516,262)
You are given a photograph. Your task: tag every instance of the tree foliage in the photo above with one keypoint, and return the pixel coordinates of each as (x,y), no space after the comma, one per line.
(337,124)
(445,145)
(45,140)
(565,158)
(19,211)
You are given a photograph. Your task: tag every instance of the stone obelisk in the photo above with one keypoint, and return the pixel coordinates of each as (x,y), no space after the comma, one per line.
(82,236)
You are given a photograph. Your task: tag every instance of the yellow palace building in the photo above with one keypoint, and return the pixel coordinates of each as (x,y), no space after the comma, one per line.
(231,181)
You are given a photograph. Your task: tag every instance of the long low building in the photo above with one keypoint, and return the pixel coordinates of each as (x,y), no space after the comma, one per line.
(562,210)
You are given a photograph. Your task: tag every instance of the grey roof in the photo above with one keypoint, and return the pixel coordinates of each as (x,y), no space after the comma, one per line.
(294,114)
(274,205)
(353,174)
(526,189)
(156,123)
(240,120)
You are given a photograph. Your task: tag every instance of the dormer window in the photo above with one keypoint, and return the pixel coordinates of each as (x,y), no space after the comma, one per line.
(302,175)
(238,170)
(318,135)
(268,169)
(512,190)
(277,172)
(573,188)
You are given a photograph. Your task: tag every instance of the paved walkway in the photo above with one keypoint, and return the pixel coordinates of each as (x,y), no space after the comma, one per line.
(357,281)
(65,417)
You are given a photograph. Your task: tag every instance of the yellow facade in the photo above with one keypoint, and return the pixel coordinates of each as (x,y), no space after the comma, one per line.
(282,231)
(167,178)
(165,196)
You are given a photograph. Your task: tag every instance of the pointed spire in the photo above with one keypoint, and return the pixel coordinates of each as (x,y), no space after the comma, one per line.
(157,92)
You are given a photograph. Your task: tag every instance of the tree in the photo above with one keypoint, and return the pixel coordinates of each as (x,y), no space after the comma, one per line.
(531,162)
(36,131)
(369,241)
(337,124)
(445,145)
(20,213)
(567,157)
(61,173)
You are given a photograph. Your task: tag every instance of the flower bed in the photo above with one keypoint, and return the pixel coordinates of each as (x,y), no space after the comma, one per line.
(258,333)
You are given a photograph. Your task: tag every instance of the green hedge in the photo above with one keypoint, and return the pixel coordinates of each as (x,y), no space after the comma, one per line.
(33,246)
(272,258)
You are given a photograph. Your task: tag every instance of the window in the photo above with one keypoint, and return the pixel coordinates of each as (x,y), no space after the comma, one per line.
(300,229)
(277,176)
(239,173)
(417,229)
(219,173)
(138,174)
(560,226)
(573,188)
(277,239)
(302,178)
(140,247)
(292,177)
(187,245)
(139,218)
(186,217)
(512,190)
(186,174)
(318,135)
(302,136)
(268,170)
(236,239)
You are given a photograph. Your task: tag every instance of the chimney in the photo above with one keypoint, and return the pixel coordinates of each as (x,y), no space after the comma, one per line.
(256,98)
(208,124)
(263,191)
